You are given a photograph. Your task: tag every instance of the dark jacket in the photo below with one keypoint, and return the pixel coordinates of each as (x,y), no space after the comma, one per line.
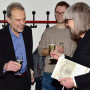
(7,80)
(38,64)
(82,56)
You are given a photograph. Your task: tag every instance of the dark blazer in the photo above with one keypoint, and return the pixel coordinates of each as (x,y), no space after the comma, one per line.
(7,53)
(82,56)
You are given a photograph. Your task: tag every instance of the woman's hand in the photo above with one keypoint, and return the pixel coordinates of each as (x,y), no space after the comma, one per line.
(67,82)
(57,52)
(60,49)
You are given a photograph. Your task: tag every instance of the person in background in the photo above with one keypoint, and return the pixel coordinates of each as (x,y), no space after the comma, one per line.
(38,69)
(57,33)
(78,19)
(15,43)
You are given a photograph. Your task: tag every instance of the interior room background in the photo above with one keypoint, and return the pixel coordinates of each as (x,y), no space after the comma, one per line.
(40,7)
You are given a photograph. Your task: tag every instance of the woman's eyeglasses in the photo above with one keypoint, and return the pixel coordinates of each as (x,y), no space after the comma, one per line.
(66,20)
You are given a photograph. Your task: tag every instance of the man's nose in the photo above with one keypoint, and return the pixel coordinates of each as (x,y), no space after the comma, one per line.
(22,22)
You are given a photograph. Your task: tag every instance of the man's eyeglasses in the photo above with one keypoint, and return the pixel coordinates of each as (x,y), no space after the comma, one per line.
(59,13)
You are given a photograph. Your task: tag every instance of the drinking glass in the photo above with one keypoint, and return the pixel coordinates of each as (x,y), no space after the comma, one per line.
(51,47)
(20,61)
(61,44)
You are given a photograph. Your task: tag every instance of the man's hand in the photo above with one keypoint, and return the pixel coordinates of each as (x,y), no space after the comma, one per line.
(12,66)
(45,52)
(32,76)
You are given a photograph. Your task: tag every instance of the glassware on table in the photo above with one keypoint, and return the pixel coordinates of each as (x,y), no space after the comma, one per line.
(20,61)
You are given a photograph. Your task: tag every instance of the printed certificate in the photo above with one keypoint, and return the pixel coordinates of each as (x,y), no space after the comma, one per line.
(66,68)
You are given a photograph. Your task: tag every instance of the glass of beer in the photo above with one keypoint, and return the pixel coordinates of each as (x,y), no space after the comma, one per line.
(20,61)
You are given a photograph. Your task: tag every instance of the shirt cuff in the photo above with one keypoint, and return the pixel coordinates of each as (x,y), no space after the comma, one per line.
(75,85)
(4,71)
(62,56)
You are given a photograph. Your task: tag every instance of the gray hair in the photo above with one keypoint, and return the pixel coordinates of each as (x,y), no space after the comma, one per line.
(12,6)
(80,14)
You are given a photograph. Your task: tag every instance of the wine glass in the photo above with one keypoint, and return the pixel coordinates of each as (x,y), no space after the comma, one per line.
(20,61)
(61,44)
(51,47)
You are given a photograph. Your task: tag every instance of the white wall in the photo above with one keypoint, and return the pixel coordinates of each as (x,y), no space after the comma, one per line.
(40,6)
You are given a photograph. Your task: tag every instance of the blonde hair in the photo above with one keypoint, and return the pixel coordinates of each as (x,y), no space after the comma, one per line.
(80,14)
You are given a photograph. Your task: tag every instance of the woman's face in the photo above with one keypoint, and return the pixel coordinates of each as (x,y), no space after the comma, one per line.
(70,24)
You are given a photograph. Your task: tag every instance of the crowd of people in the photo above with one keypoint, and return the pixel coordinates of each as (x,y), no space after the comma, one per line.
(73,23)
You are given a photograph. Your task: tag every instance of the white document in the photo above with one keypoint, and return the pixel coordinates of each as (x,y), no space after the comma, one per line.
(66,68)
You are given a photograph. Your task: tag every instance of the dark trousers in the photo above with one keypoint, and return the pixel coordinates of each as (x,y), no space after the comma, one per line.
(38,83)
(22,83)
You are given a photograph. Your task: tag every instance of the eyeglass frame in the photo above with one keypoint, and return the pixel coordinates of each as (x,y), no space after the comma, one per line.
(59,13)
(66,20)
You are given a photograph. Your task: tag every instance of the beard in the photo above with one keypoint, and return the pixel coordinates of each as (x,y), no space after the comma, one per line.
(18,29)
(60,20)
